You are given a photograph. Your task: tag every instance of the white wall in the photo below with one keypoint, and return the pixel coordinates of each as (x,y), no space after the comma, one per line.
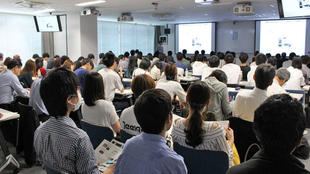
(235,36)
(60,40)
(74,35)
(19,36)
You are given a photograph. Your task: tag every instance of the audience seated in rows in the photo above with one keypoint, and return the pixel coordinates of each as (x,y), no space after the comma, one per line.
(232,70)
(96,110)
(219,100)
(128,119)
(195,133)
(148,152)
(297,79)
(60,145)
(281,77)
(169,83)
(279,124)
(259,59)
(248,101)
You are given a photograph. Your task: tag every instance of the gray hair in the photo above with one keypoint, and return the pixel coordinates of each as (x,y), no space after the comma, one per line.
(283,74)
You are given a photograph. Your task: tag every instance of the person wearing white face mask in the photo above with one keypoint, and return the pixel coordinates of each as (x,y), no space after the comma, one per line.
(59,144)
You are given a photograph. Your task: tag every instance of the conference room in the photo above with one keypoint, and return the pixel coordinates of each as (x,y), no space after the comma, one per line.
(154,86)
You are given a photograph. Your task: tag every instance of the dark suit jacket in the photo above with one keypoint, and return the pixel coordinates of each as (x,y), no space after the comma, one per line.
(261,163)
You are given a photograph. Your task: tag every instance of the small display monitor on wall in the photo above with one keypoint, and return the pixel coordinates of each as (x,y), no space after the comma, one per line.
(48,23)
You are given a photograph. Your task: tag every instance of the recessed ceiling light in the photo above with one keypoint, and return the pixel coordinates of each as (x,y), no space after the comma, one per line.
(47,10)
(90,3)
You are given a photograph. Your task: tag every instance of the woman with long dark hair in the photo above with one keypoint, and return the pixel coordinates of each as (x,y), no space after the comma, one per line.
(193,132)
(96,110)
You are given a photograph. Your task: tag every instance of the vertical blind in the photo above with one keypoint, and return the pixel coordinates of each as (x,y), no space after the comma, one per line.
(19,36)
(122,37)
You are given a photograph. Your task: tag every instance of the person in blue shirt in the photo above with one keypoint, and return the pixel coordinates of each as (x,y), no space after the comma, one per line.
(179,62)
(87,66)
(148,151)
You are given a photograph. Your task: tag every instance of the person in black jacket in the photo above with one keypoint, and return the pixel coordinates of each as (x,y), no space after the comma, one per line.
(27,73)
(279,124)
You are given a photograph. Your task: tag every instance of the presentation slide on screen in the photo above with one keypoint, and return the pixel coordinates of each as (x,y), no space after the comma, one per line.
(194,37)
(293,8)
(283,36)
(47,23)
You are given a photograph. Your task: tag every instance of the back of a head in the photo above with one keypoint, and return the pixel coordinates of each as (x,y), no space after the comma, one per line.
(297,63)
(243,57)
(170,71)
(214,61)
(272,61)
(152,109)
(278,56)
(57,63)
(283,55)
(91,56)
(169,53)
(93,88)
(184,51)
(139,55)
(220,55)
(279,124)
(132,52)
(268,55)
(126,54)
(68,64)
(101,55)
(196,52)
(219,75)
(108,59)
(80,58)
(292,55)
(149,56)
(305,59)
(283,74)
(203,52)
(199,58)
(85,61)
(256,53)
(63,59)
(264,75)
(162,57)
(145,64)
(7,60)
(30,67)
(45,55)
(56,88)
(229,58)
(12,64)
(141,83)
(39,63)
(260,59)
(179,56)
(35,56)
(198,96)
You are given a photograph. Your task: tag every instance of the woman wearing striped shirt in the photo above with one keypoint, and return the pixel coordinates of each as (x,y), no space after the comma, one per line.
(195,133)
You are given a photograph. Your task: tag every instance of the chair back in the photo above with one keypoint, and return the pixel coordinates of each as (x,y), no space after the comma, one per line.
(180,72)
(203,161)
(125,136)
(244,137)
(29,121)
(97,133)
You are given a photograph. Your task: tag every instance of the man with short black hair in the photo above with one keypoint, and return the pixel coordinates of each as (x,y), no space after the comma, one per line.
(214,62)
(59,144)
(148,152)
(297,79)
(305,70)
(45,57)
(179,63)
(279,124)
(9,83)
(279,80)
(245,68)
(232,70)
(170,58)
(259,59)
(247,101)
(82,71)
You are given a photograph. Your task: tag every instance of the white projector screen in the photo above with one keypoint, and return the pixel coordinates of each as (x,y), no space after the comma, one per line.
(283,36)
(194,37)
(296,8)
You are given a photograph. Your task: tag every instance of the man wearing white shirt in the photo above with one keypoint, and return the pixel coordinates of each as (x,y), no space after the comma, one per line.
(143,68)
(214,62)
(232,70)
(198,66)
(259,59)
(305,70)
(248,101)
(279,80)
(296,79)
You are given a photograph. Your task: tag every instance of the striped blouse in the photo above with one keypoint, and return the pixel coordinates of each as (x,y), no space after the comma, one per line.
(214,139)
